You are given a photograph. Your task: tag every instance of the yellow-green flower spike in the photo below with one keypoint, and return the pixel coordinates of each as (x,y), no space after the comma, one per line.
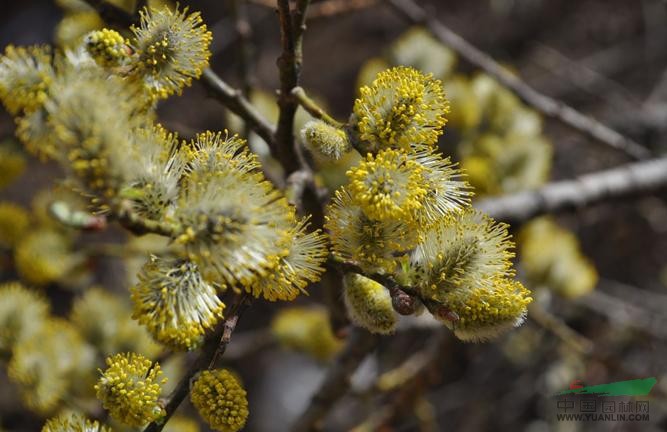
(153,178)
(483,312)
(14,222)
(220,399)
(22,313)
(73,423)
(447,193)
(237,225)
(306,329)
(25,76)
(44,256)
(498,164)
(129,389)
(91,115)
(402,108)
(108,48)
(49,363)
(301,266)
(174,303)
(418,48)
(552,257)
(325,139)
(460,251)
(388,186)
(369,304)
(212,152)
(374,245)
(172,48)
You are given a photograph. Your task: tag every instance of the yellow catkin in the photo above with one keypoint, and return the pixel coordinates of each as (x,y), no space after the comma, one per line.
(402,108)
(220,399)
(129,389)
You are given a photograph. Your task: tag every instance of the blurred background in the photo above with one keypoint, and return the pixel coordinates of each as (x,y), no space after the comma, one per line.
(599,275)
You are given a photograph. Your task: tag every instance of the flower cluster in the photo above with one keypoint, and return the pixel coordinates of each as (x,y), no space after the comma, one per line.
(406,213)
(48,365)
(174,303)
(552,258)
(91,109)
(402,108)
(306,329)
(220,399)
(73,423)
(238,228)
(369,304)
(129,389)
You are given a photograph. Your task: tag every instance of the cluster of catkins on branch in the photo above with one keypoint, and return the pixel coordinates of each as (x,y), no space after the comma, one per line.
(405,213)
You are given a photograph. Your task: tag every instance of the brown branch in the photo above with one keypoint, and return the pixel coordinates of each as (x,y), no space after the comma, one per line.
(213,348)
(245,49)
(292,27)
(313,109)
(238,104)
(633,179)
(567,115)
(337,380)
(327,9)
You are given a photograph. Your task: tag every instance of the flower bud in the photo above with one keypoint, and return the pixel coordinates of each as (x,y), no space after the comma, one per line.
(369,304)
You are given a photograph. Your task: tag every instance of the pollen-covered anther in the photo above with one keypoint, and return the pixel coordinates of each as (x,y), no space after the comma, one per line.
(108,47)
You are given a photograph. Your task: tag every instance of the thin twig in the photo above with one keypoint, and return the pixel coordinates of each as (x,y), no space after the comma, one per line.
(556,109)
(560,329)
(214,346)
(138,225)
(633,179)
(292,27)
(313,109)
(239,105)
(337,380)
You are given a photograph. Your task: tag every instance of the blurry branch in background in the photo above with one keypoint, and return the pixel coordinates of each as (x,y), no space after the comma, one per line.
(623,313)
(406,384)
(337,379)
(234,100)
(560,329)
(630,180)
(546,105)
(327,9)
(580,77)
